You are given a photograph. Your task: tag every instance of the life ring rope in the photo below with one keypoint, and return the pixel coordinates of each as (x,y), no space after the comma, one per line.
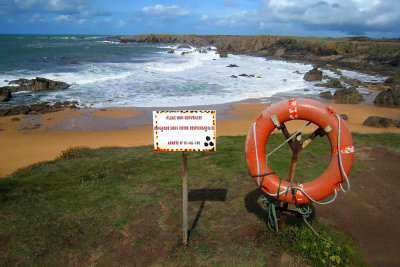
(300,194)
(340,160)
(296,188)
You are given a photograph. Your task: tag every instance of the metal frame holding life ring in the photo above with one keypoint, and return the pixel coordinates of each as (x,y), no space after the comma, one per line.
(329,123)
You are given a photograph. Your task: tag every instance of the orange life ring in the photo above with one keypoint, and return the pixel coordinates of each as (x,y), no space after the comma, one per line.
(323,116)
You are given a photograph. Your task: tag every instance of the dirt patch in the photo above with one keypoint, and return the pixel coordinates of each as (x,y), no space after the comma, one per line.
(369,212)
(137,248)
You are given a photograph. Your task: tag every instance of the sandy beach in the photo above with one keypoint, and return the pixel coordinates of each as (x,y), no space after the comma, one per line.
(25,140)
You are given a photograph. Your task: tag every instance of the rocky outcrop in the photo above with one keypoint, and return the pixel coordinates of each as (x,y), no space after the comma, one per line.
(43,84)
(366,55)
(184,46)
(389,97)
(313,75)
(381,122)
(41,108)
(351,81)
(222,53)
(332,83)
(5,94)
(351,96)
(37,84)
(326,95)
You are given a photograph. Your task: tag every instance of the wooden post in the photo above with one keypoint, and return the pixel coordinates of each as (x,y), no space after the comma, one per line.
(185,197)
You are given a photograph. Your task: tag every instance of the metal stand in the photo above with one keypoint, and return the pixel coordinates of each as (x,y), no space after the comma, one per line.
(296,146)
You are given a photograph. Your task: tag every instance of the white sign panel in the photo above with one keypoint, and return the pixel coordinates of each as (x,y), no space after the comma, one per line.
(184,130)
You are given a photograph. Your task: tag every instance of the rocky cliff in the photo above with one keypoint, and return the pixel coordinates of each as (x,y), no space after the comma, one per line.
(377,56)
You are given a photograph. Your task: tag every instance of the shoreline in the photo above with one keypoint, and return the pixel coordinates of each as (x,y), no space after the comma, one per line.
(29,139)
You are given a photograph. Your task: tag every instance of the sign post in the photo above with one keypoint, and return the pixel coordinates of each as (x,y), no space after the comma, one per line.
(184,130)
(184,198)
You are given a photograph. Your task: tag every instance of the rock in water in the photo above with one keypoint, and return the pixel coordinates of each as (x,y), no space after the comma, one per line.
(5,94)
(43,84)
(19,82)
(313,75)
(351,95)
(390,96)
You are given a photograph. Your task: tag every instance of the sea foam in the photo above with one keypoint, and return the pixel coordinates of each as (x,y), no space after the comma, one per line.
(149,75)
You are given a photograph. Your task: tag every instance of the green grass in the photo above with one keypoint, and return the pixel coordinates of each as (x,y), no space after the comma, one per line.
(90,202)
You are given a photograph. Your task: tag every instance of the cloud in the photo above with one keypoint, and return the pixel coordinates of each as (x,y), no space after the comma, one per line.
(62,18)
(349,17)
(52,6)
(121,23)
(315,17)
(37,18)
(230,3)
(165,11)
(204,17)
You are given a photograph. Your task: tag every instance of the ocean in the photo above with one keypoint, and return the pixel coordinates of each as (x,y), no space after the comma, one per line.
(104,73)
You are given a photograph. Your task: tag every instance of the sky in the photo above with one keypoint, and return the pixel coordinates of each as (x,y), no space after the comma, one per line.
(325,18)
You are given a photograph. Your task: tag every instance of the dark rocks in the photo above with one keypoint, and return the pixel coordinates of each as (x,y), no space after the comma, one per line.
(19,82)
(184,46)
(232,66)
(24,110)
(41,108)
(5,94)
(332,83)
(381,122)
(171,52)
(222,53)
(43,84)
(326,95)
(390,96)
(351,81)
(248,75)
(351,95)
(38,84)
(234,76)
(313,75)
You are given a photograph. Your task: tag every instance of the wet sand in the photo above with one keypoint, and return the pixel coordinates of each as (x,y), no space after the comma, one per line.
(25,140)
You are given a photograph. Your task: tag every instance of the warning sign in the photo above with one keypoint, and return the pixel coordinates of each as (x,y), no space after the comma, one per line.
(184,130)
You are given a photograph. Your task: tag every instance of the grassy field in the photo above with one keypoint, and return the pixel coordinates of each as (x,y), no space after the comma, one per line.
(122,206)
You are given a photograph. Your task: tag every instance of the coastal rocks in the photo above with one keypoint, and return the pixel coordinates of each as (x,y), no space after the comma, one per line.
(184,46)
(5,94)
(332,83)
(222,53)
(37,84)
(43,84)
(351,95)
(232,66)
(390,96)
(326,95)
(351,81)
(313,75)
(19,82)
(41,108)
(381,122)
